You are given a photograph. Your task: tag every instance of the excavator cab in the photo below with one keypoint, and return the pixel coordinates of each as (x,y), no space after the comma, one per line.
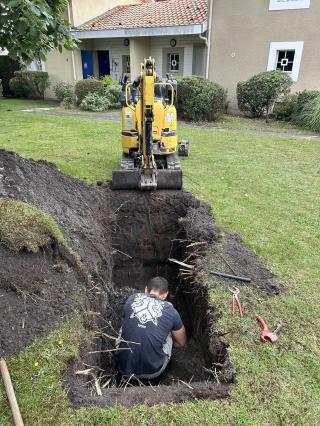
(149,134)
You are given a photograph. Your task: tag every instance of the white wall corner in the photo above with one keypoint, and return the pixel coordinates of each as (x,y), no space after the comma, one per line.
(289,4)
(297,46)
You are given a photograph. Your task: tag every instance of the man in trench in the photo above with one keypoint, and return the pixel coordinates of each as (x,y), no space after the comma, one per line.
(150,327)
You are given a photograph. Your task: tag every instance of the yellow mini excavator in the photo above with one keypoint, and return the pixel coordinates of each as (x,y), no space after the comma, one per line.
(149,133)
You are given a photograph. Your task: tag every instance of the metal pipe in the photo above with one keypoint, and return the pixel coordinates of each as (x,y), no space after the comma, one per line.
(231,277)
(17,419)
(72,52)
(210,13)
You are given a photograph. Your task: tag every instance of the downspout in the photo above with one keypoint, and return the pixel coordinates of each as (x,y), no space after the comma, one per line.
(207,39)
(72,52)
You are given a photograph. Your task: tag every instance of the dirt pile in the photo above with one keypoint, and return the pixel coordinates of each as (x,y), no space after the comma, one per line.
(123,239)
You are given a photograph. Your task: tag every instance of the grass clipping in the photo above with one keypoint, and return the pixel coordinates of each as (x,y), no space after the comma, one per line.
(24,227)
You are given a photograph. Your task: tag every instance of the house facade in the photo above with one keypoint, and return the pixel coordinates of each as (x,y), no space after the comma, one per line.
(116,41)
(220,40)
(261,35)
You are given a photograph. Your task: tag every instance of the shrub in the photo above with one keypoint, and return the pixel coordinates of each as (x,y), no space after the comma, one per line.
(84,87)
(64,91)
(67,103)
(309,117)
(108,80)
(305,97)
(287,108)
(1,89)
(257,96)
(199,99)
(30,84)
(95,102)
(20,88)
(112,93)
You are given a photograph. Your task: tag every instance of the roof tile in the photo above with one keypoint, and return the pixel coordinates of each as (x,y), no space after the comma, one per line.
(159,14)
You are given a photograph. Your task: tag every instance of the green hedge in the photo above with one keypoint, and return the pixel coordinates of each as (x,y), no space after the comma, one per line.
(95,102)
(257,96)
(90,85)
(112,93)
(287,108)
(305,97)
(1,89)
(200,99)
(7,68)
(64,91)
(29,84)
(307,112)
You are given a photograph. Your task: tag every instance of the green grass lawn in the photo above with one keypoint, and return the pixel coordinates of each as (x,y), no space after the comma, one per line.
(265,188)
(260,124)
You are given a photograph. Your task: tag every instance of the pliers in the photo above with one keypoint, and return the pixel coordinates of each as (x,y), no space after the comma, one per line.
(235,291)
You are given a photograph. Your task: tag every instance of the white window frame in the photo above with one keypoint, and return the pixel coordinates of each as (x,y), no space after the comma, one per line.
(289,4)
(169,62)
(297,46)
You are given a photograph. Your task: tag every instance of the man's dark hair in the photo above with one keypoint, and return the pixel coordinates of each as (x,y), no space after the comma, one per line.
(159,284)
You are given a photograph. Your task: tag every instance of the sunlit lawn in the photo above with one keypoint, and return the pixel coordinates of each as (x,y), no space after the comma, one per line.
(265,188)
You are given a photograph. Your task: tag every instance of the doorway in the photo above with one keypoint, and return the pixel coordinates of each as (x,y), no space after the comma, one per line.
(104,63)
(87,63)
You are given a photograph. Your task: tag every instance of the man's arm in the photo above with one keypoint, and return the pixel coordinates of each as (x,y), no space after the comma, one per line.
(179,338)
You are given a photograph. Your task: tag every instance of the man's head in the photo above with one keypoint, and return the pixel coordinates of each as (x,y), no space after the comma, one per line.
(157,286)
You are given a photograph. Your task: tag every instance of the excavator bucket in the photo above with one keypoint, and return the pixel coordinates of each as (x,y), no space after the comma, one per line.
(132,179)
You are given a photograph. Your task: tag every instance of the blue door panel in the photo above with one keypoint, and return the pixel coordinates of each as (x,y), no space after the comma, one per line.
(87,63)
(104,63)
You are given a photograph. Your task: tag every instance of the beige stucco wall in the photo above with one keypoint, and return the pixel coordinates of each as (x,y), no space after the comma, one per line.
(139,50)
(84,10)
(241,37)
(65,66)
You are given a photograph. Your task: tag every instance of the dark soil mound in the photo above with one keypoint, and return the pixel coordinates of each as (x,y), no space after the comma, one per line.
(123,239)
(38,289)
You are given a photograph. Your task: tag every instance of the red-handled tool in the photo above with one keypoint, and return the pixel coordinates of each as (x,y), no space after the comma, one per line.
(235,300)
(267,334)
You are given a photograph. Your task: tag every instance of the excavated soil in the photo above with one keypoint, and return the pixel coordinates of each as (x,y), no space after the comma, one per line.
(123,239)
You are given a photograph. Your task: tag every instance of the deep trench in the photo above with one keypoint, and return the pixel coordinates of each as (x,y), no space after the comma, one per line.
(147,233)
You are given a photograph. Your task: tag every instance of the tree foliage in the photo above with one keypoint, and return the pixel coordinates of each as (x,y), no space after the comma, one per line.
(29,29)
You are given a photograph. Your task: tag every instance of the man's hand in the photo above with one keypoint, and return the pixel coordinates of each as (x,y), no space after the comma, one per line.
(179,338)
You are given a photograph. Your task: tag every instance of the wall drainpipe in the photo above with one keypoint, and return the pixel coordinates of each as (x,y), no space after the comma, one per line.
(207,38)
(72,52)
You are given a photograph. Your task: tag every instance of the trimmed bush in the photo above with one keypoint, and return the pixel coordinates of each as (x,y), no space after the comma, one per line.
(199,99)
(7,68)
(287,108)
(29,84)
(112,93)
(64,91)
(309,117)
(20,88)
(84,87)
(257,96)
(67,103)
(1,89)
(95,102)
